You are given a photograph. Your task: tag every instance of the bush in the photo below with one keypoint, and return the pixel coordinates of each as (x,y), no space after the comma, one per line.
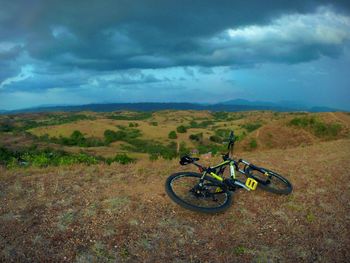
(196,137)
(152,148)
(121,158)
(112,136)
(181,129)
(220,115)
(317,127)
(203,124)
(215,138)
(213,148)
(183,149)
(253,143)
(172,135)
(251,126)
(154,123)
(43,158)
(223,133)
(134,116)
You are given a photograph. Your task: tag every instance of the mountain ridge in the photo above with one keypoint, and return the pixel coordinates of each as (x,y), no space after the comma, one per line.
(231,105)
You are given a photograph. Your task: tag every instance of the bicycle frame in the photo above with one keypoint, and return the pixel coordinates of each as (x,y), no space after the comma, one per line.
(249,185)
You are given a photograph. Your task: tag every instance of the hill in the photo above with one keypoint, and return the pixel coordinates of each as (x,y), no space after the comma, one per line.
(97,196)
(121,213)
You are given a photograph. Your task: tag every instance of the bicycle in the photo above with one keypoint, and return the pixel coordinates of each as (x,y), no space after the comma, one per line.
(210,192)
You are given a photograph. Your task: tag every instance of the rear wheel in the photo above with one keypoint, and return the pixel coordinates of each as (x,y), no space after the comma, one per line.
(209,197)
(270,181)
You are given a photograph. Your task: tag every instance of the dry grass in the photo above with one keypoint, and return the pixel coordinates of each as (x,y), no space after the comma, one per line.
(274,133)
(121,213)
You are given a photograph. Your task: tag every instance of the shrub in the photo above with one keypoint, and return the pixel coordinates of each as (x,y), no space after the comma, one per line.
(152,148)
(172,135)
(253,143)
(251,126)
(181,129)
(203,124)
(43,158)
(215,138)
(112,136)
(196,137)
(183,149)
(220,115)
(134,116)
(121,158)
(223,133)
(213,148)
(317,127)
(154,123)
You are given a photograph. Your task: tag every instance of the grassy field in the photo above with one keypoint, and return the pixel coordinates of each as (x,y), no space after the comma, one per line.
(121,213)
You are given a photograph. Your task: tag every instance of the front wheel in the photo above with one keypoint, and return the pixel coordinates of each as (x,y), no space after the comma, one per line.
(210,196)
(270,181)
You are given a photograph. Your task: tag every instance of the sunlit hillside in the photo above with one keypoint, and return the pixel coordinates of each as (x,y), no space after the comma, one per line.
(89,187)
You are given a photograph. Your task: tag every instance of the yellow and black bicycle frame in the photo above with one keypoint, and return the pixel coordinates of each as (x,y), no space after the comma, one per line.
(250,183)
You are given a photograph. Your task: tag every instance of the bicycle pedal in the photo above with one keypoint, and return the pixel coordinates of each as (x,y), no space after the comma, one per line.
(251,183)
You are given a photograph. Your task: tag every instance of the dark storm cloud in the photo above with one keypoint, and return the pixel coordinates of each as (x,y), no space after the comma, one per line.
(110,35)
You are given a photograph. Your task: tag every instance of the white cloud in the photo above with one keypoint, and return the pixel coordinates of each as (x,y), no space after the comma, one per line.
(26,72)
(290,38)
(324,26)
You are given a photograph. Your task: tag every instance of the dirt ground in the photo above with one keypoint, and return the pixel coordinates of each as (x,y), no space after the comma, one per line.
(119,213)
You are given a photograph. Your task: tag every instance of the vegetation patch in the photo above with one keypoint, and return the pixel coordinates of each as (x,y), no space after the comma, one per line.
(124,134)
(250,127)
(196,137)
(202,124)
(75,139)
(317,127)
(121,158)
(181,129)
(53,119)
(131,116)
(253,144)
(215,138)
(172,135)
(42,158)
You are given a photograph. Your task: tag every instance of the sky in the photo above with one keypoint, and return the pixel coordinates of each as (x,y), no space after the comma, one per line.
(102,51)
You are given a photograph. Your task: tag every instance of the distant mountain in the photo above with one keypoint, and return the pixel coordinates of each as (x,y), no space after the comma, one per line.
(249,103)
(281,105)
(232,105)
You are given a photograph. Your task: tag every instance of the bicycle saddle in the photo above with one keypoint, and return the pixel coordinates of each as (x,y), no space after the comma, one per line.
(187,160)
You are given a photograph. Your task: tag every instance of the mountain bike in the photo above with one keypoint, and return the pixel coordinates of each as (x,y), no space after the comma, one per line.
(210,192)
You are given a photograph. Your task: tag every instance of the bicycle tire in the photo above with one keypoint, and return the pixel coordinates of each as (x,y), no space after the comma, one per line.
(208,182)
(271,182)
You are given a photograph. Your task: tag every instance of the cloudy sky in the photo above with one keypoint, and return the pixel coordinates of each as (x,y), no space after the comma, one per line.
(79,52)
